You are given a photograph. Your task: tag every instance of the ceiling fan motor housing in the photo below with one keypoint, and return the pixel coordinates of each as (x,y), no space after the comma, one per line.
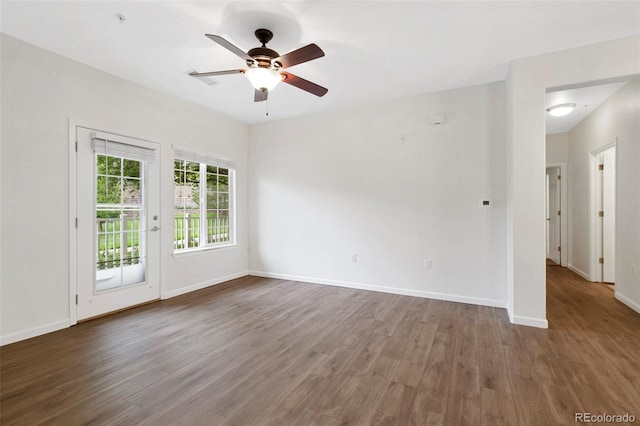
(263,56)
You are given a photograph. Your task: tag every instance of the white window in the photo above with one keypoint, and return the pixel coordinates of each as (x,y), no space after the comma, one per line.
(203,191)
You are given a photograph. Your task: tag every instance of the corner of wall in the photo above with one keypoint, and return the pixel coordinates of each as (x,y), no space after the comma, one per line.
(627,301)
(531,322)
(510,312)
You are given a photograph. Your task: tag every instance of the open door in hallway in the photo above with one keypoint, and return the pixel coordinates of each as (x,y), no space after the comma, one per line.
(553,214)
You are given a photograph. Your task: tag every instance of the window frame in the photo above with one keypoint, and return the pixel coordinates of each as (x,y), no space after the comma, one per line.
(204,160)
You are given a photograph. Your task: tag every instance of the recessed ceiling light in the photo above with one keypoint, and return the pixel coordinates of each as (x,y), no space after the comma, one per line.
(561,109)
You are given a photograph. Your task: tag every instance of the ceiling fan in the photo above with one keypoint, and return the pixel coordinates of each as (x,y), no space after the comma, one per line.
(265,66)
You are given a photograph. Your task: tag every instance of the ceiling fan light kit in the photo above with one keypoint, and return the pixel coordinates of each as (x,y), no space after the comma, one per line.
(263,78)
(265,66)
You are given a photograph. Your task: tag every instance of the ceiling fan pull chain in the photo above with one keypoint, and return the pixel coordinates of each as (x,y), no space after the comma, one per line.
(267,106)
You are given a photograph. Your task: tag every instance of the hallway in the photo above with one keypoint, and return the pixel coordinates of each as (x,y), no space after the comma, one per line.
(591,359)
(574,303)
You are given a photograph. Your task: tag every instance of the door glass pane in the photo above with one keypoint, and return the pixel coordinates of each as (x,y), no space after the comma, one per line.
(120,234)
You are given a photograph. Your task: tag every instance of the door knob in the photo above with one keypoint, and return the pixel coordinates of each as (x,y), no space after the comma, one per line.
(154,229)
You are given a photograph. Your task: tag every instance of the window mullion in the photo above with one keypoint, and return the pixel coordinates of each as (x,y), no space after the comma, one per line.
(203,240)
(232,206)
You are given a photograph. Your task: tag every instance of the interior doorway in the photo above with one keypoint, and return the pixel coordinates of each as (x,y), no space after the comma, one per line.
(604,214)
(553,209)
(599,146)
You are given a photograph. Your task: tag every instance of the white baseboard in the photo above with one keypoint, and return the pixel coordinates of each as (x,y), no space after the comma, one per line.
(205,284)
(579,272)
(531,322)
(630,303)
(34,332)
(385,289)
(59,325)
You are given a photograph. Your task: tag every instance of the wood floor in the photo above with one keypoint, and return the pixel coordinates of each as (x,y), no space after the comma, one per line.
(260,351)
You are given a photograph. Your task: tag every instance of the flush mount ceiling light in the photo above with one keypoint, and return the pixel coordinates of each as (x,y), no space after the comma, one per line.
(561,110)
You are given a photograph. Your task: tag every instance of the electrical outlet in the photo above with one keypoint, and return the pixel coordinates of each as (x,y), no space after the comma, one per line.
(427,263)
(354,257)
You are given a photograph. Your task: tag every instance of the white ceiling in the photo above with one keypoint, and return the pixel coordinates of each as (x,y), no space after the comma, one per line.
(374,50)
(587,99)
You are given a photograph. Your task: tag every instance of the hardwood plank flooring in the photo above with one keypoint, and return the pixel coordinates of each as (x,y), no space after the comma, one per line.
(257,351)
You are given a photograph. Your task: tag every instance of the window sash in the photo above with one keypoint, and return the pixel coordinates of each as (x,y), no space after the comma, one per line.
(203,225)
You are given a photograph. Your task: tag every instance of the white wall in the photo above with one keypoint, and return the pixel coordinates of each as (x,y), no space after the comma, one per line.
(618,117)
(381,182)
(41,91)
(526,84)
(557,148)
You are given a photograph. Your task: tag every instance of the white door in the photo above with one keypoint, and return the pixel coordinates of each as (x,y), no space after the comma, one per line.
(553,214)
(118,238)
(609,215)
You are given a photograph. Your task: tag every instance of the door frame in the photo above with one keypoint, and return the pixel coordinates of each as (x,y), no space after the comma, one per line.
(72,212)
(564,209)
(595,195)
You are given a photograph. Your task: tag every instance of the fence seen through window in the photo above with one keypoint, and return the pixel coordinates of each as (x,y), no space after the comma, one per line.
(202,205)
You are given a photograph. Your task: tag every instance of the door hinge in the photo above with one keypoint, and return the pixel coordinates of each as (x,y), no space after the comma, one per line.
(76,146)
(559,177)
(76,299)
(559,248)
(558,212)
(600,166)
(76,223)
(601,260)
(601,213)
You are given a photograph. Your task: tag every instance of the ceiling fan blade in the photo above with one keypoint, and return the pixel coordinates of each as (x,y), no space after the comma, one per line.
(230,47)
(260,95)
(212,73)
(298,56)
(303,84)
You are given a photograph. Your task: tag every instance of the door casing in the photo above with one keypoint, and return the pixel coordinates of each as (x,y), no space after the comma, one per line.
(73,208)
(564,217)
(554,225)
(595,190)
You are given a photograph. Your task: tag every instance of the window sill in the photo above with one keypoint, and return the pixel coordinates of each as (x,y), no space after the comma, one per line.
(201,250)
